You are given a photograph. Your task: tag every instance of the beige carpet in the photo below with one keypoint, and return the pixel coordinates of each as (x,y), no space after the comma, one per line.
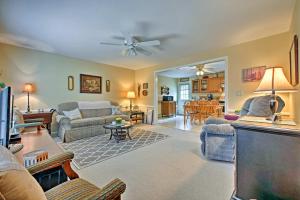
(172,169)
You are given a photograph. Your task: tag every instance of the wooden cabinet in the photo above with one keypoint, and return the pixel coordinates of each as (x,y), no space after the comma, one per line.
(195,86)
(267,161)
(207,85)
(168,108)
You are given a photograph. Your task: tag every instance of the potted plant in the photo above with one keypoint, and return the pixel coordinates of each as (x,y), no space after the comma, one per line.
(2,85)
(118,120)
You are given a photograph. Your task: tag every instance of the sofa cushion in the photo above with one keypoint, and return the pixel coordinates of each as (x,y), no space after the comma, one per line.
(73,114)
(93,121)
(66,107)
(88,113)
(15,180)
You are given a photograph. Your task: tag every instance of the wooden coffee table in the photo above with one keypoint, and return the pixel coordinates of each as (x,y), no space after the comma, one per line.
(119,131)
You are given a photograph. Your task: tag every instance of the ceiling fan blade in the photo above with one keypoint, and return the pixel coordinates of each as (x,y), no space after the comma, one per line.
(114,44)
(143,51)
(149,43)
(208,71)
(128,38)
(124,52)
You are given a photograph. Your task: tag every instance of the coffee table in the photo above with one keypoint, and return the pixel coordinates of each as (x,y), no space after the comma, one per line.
(119,131)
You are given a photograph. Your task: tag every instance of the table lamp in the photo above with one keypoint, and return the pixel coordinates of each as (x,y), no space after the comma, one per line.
(131,95)
(274,81)
(28,88)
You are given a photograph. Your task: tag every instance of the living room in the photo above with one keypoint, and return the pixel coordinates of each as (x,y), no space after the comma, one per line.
(104,57)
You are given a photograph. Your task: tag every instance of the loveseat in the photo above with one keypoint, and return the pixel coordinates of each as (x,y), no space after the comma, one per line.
(92,116)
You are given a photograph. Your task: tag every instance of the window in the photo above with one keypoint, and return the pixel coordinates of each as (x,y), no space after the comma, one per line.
(184,92)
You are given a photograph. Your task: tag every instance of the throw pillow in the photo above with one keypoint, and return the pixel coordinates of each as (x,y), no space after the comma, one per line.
(73,114)
(260,107)
(116,110)
(15,180)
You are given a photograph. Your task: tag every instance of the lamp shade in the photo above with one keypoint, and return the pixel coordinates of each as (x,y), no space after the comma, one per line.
(131,95)
(274,80)
(28,87)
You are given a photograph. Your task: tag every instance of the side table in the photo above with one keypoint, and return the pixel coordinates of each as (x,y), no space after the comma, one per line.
(137,116)
(45,117)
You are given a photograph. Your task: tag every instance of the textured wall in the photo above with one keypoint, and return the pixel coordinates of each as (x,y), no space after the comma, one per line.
(267,51)
(49,73)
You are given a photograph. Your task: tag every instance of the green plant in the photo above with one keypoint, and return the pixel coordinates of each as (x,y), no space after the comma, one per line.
(118,120)
(2,85)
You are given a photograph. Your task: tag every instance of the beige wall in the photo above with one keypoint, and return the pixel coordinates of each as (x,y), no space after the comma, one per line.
(49,73)
(267,51)
(295,29)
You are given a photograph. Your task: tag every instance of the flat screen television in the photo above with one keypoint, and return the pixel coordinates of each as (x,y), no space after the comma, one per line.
(5,115)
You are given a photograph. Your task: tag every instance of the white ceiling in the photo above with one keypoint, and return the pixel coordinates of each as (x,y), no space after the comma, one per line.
(190,70)
(184,27)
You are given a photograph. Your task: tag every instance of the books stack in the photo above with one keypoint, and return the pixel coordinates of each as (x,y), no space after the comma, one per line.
(34,157)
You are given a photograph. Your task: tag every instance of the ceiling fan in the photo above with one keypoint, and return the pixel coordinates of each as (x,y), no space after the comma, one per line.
(203,68)
(133,46)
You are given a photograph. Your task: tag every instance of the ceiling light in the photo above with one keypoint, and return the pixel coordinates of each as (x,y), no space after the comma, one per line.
(199,73)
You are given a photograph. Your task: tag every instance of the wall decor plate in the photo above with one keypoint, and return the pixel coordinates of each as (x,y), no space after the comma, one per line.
(90,84)
(107,85)
(70,83)
(145,92)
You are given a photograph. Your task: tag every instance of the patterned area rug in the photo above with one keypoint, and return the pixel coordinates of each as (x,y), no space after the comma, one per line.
(90,151)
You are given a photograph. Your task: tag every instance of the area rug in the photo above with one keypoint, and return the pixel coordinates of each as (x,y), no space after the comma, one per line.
(90,151)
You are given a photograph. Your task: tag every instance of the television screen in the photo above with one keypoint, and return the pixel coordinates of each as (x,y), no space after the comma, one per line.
(5,115)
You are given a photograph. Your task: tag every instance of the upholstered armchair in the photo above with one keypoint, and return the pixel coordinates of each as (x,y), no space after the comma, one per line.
(16,182)
(218,140)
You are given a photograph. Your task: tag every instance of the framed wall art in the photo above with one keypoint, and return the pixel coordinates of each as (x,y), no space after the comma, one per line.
(253,73)
(145,86)
(90,84)
(70,83)
(107,85)
(294,62)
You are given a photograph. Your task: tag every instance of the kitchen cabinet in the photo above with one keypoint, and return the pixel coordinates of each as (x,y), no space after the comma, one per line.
(207,85)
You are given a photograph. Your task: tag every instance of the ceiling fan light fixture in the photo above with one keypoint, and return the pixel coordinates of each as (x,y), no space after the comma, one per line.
(199,73)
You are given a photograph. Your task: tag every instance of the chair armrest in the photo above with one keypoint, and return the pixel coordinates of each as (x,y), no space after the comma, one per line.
(26,125)
(111,191)
(62,159)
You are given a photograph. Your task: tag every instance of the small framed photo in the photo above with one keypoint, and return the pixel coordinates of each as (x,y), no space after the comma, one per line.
(145,86)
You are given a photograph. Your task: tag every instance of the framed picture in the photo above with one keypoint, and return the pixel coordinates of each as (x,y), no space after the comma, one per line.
(90,84)
(164,90)
(107,85)
(145,86)
(184,79)
(253,74)
(70,83)
(294,62)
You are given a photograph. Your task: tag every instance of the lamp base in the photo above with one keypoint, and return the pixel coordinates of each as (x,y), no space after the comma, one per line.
(274,107)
